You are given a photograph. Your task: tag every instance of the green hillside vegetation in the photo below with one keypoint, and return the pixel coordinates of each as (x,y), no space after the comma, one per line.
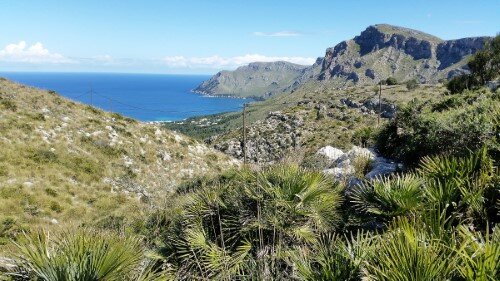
(64,163)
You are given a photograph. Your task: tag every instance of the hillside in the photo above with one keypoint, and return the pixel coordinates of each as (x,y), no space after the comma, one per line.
(258,79)
(379,52)
(65,163)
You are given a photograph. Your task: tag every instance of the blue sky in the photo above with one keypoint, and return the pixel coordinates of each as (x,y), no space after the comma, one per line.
(195,36)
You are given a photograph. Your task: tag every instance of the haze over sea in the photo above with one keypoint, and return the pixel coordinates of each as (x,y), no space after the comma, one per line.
(146,97)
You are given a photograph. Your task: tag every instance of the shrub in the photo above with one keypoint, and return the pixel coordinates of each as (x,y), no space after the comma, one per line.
(408,253)
(364,136)
(412,84)
(56,207)
(362,164)
(43,156)
(221,230)
(391,81)
(462,186)
(8,104)
(460,83)
(417,131)
(80,255)
(388,198)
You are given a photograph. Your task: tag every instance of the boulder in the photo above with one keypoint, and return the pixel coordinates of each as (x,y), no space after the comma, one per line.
(332,154)
(382,167)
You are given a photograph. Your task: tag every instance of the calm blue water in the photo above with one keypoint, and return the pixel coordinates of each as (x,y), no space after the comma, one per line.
(147,97)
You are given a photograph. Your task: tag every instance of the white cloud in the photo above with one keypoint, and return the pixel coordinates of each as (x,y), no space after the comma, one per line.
(284,33)
(218,62)
(35,53)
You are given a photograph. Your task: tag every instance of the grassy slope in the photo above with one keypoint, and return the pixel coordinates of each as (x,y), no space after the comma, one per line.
(64,163)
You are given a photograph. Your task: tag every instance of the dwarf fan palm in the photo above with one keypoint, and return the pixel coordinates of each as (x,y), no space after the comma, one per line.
(479,255)
(389,197)
(407,253)
(84,255)
(462,185)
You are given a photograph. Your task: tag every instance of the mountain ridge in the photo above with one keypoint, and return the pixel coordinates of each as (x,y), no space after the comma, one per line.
(379,52)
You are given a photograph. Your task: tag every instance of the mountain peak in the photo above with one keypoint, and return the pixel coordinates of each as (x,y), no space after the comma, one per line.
(389,29)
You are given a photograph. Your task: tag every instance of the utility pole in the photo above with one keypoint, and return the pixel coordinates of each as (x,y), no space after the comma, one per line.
(379,103)
(244,134)
(91,92)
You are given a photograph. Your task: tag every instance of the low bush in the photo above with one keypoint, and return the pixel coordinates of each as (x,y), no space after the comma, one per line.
(391,81)
(443,128)
(411,84)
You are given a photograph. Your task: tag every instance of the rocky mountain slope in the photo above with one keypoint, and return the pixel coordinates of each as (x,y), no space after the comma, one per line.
(63,162)
(379,52)
(383,51)
(315,115)
(259,79)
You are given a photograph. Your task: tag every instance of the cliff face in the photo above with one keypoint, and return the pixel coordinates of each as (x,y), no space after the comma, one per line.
(383,50)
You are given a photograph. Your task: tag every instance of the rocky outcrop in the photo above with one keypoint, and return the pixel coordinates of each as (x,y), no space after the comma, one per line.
(267,140)
(383,51)
(453,51)
(414,43)
(372,106)
(342,166)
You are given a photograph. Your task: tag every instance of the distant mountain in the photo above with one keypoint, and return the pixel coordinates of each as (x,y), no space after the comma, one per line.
(383,51)
(379,52)
(259,79)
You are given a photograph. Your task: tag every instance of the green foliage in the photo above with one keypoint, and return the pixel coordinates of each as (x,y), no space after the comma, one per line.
(442,128)
(407,253)
(479,255)
(222,230)
(464,187)
(362,164)
(82,255)
(331,257)
(411,84)
(364,136)
(460,83)
(8,104)
(388,197)
(391,81)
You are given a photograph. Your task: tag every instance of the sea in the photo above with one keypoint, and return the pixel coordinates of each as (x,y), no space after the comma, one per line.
(146,97)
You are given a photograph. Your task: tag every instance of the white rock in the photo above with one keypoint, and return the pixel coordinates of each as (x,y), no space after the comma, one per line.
(331,153)
(27,184)
(65,118)
(340,173)
(357,151)
(381,167)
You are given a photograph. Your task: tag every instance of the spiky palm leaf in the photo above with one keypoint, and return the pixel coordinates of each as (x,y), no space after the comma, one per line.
(479,255)
(460,184)
(389,197)
(331,257)
(81,255)
(407,253)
